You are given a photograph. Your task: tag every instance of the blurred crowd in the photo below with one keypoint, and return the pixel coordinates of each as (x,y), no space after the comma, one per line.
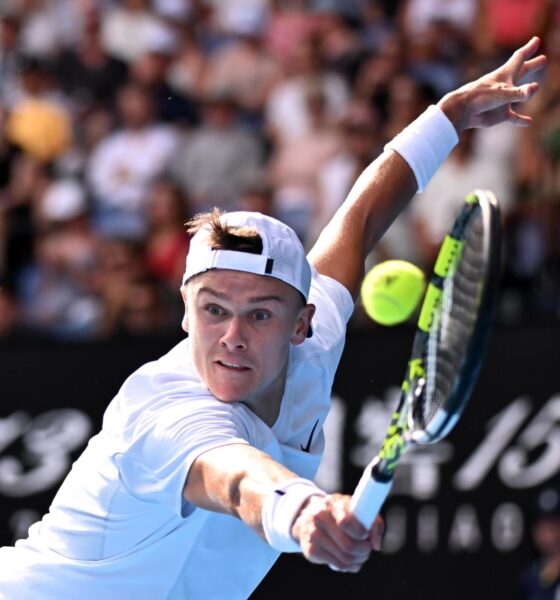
(120,119)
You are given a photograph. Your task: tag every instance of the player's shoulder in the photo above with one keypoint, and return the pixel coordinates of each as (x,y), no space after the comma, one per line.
(334,306)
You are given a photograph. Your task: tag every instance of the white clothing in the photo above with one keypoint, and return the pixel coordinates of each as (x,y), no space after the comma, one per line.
(119,526)
(420,14)
(128,35)
(286,108)
(126,162)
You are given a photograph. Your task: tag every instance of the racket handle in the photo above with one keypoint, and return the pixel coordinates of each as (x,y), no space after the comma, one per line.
(369,496)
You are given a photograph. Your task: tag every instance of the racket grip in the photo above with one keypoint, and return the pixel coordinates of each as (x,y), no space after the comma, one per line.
(369,495)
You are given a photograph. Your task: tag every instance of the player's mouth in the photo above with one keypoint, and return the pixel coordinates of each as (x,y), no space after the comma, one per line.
(231,366)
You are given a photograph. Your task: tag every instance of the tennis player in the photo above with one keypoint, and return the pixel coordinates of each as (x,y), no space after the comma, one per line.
(202,472)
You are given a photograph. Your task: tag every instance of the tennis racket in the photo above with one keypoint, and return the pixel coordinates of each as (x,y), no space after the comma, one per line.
(448,348)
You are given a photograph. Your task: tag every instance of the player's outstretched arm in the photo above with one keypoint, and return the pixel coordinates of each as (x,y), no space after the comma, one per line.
(388,184)
(291,513)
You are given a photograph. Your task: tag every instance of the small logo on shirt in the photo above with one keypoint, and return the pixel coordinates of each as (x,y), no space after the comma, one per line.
(307,447)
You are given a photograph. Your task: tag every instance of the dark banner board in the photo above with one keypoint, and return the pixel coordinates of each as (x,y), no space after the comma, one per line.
(458,518)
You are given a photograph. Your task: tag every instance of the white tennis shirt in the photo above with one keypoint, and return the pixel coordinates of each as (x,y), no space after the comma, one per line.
(119,526)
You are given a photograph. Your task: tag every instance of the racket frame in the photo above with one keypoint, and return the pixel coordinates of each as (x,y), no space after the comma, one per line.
(376,481)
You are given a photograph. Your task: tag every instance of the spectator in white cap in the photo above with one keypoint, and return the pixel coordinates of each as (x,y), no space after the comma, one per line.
(55,291)
(202,473)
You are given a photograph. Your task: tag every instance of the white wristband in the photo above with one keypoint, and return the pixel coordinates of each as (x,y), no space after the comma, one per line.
(280,510)
(426,143)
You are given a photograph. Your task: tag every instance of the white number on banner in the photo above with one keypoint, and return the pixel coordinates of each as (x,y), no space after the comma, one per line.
(48,441)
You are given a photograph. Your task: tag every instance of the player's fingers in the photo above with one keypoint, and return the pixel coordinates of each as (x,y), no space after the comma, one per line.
(347,521)
(377,532)
(525,92)
(322,548)
(508,94)
(532,66)
(524,53)
(518,119)
(341,544)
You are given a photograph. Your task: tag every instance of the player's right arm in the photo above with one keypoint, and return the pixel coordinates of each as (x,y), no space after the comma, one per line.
(238,479)
(387,185)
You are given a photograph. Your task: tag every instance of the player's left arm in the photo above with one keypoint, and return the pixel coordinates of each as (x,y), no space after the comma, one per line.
(242,481)
(387,185)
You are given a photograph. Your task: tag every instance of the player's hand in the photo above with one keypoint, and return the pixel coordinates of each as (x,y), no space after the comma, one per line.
(488,100)
(330,534)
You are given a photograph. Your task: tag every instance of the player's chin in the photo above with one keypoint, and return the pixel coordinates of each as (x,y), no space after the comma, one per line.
(231,389)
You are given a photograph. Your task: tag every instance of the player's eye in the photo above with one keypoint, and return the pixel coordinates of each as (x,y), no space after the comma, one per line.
(214,309)
(261,315)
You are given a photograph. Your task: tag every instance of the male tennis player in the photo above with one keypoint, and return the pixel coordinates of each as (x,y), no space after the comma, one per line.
(202,472)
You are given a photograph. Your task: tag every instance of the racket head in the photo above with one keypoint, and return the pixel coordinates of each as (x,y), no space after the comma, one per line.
(455,321)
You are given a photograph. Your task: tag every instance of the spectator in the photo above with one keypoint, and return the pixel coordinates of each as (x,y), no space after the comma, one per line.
(257,195)
(295,163)
(56,291)
(10,57)
(39,121)
(167,243)
(407,98)
(119,263)
(362,141)
(171,106)
(244,68)
(434,58)
(214,160)
(130,29)
(146,311)
(377,26)
(289,26)
(447,190)
(86,72)
(125,162)
(378,71)
(341,47)
(287,116)
(133,97)
(188,64)
(45,26)
(541,581)
(418,16)
(500,24)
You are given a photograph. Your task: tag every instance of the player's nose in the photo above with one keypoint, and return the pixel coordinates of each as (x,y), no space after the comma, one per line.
(234,335)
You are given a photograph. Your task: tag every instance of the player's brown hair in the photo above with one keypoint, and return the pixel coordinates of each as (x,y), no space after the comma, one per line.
(223,236)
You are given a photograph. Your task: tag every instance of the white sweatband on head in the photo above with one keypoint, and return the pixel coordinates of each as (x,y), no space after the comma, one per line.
(425,144)
(280,510)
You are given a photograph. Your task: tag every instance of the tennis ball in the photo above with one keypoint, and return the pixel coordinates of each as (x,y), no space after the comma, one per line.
(392,290)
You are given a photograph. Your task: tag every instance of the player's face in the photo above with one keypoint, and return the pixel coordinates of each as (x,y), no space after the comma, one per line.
(240,329)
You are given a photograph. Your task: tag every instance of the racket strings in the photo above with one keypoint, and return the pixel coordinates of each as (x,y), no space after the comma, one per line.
(453,326)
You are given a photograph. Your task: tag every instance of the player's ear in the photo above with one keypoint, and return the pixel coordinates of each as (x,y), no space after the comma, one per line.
(303,323)
(185,321)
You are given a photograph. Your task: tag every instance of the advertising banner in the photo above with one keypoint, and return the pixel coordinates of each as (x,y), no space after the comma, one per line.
(458,518)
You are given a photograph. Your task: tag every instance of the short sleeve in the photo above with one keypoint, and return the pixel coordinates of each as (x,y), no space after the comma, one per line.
(155,466)
(339,296)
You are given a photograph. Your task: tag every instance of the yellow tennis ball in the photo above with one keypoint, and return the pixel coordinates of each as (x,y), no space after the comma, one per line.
(392,290)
